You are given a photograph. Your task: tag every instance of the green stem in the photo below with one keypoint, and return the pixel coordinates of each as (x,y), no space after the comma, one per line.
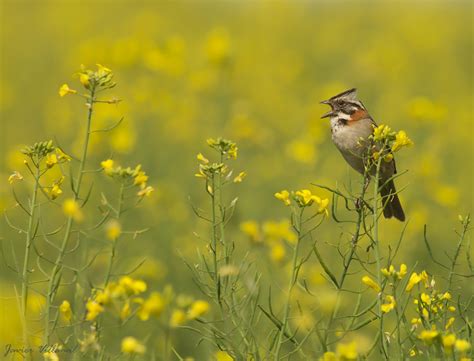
(29,242)
(377,253)
(114,244)
(55,276)
(355,238)
(222,220)
(399,321)
(214,240)
(291,283)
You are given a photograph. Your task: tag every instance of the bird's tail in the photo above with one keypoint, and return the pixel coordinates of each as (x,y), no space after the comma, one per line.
(390,200)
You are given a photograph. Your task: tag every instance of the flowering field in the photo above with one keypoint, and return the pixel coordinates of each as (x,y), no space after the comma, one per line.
(169,191)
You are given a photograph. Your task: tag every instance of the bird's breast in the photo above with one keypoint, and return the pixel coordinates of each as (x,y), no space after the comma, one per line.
(346,136)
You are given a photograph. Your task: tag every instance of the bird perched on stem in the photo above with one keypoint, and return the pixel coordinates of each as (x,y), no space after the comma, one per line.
(352,127)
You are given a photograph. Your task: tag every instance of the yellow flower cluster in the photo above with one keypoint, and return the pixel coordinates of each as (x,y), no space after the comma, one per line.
(225,147)
(190,310)
(91,80)
(416,278)
(401,140)
(389,305)
(129,176)
(272,234)
(227,150)
(381,133)
(65,310)
(449,342)
(119,296)
(303,198)
(344,352)
(131,345)
(395,140)
(71,208)
(392,273)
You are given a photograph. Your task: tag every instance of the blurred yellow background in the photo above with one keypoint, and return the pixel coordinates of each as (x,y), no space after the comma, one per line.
(253,72)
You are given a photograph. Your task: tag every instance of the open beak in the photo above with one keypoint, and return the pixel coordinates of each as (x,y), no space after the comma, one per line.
(329,113)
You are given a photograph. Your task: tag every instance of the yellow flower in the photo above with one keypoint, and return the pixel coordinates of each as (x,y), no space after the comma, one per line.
(153,306)
(202,159)
(450,322)
(446,296)
(381,132)
(223,356)
(72,209)
(452,308)
(401,140)
(387,307)
(416,321)
(132,286)
(391,271)
(328,356)
(322,205)
(146,192)
(198,309)
(449,341)
(65,310)
(305,197)
(15,176)
(388,272)
(131,345)
(178,317)
(428,336)
(462,346)
(277,252)
(283,196)
(62,155)
(232,153)
(85,80)
(402,272)
(51,160)
(108,166)
(276,231)
(65,90)
(104,297)
(425,278)
(113,229)
(251,229)
(425,313)
(371,283)
(125,311)
(426,298)
(102,70)
(218,46)
(347,351)
(93,310)
(140,179)
(388,157)
(414,280)
(55,191)
(240,177)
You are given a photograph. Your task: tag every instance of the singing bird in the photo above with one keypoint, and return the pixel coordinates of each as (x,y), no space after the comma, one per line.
(351,123)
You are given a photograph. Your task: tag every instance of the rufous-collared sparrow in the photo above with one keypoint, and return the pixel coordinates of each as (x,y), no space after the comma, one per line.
(351,126)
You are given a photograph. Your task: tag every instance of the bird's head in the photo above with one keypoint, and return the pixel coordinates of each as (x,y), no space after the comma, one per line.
(343,105)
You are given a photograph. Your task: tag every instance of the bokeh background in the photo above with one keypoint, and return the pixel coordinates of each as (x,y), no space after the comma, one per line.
(253,72)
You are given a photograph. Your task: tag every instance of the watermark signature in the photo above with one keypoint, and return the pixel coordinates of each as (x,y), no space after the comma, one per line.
(19,350)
